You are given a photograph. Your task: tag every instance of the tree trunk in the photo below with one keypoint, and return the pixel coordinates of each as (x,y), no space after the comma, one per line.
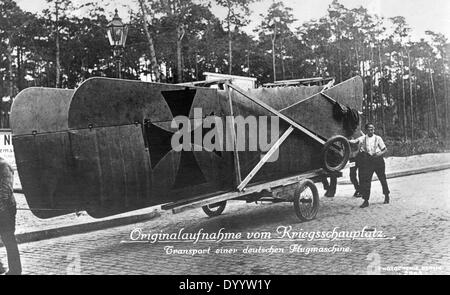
(388,90)
(154,62)
(19,69)
(339,43)
(58,63)
(388,94)
(417,95)
(381,90)
(420,121)
(405,128)
(366,111)
(292,68)
(371,115)
(445,96)
(283,70)
(248,63)
(436,116)
(273,59)
(430,94)
(9,51)
(318,71)
(363,66)
(180,35)
(196,66)
(358,68)
(410,95)
(230,47)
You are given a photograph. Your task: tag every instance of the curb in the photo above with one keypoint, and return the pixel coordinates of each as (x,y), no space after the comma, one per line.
(405,172)
(82,228)
(104,224)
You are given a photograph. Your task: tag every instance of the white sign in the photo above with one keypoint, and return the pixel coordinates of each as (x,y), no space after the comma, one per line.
(6,148)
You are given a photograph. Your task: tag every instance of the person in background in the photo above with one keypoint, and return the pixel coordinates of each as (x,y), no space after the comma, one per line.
(372,149)
(2,268)
(330,188)
(354,162)
(8,218)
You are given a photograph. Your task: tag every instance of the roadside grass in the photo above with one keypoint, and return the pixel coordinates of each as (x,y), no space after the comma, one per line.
(401,148)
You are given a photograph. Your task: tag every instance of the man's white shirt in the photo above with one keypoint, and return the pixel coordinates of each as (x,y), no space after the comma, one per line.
(372,144)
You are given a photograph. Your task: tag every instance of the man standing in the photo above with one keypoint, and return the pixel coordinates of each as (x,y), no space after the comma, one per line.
(8,218)
(371,160)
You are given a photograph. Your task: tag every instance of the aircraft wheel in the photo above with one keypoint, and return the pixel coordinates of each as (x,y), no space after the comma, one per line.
(306,200)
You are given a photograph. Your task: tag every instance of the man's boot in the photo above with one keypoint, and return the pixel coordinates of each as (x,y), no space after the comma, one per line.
(386,199)
(329,194)
(365,204)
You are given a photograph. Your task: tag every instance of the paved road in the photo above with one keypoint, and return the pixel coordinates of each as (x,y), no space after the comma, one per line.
(416,227)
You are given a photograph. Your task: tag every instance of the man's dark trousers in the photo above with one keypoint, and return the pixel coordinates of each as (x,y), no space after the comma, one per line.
(330,187)
(9,240)
(353,173)
(369,165)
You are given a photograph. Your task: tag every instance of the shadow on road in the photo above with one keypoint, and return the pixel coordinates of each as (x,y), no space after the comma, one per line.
(267,216)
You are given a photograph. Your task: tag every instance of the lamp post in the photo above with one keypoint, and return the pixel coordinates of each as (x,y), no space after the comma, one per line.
(117,35)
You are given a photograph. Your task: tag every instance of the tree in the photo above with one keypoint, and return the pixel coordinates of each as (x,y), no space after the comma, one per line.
(439,42)
(186,17)
(58,9)
(401,31)
(405,83)
(336,13)
(237,15)
(276,23)
(145,16)
(13,21)
(315,36)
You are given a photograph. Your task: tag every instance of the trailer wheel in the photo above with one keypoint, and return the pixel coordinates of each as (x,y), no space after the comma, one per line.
(336,153)
(306,200)
(215,209)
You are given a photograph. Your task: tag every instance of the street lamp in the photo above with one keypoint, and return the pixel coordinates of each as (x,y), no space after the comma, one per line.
(117,35)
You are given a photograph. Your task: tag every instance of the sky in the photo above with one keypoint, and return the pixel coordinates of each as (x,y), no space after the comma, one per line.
(421,15)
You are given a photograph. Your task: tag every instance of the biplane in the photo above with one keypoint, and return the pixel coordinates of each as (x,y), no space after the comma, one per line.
(107,146)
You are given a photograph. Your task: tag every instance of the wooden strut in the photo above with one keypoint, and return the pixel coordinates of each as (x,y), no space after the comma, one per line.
(237,166)
(266,157)
(278,114)
(205,83)
(327,87)
(328,97)
(243,184)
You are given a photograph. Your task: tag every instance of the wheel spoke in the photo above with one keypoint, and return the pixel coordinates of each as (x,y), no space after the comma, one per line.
(307,202)
(335,153)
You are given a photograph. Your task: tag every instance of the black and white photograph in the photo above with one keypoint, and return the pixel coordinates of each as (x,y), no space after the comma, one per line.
(207,138)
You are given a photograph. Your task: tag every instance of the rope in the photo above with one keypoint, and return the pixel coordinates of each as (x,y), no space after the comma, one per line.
(349,117)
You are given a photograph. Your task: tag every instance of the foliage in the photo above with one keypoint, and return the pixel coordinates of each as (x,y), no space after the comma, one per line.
(405,82)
